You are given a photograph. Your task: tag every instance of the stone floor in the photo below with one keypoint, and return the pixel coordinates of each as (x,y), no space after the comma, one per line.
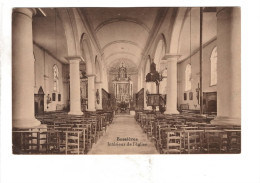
(132,140)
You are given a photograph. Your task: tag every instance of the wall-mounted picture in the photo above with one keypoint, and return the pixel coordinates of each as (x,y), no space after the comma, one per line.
(53,96)
(191,95)
(185,96)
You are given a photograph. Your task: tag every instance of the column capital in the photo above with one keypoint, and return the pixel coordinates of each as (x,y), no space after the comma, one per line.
(163,61)
(224,12)
(221,9)
(74,59)
(171,57)
(26,11)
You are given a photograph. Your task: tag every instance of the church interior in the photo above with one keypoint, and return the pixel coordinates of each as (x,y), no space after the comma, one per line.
(158,80)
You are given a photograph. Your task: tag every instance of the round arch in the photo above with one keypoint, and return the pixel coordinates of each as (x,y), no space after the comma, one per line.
(87,54)
(177,29)
(147,64)
(160,51)
(68,20)
(146,71)
(159,40)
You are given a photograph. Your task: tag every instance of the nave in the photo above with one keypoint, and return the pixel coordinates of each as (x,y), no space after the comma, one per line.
(144,133)
(126,128)
(91,134)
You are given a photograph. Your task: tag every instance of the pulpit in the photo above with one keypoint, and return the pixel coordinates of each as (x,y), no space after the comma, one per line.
(157,99)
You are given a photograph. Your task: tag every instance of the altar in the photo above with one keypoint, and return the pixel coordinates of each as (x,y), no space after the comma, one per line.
(123,89)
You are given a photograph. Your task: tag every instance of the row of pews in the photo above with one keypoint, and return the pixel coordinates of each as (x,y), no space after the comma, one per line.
(61,133)
(189,133)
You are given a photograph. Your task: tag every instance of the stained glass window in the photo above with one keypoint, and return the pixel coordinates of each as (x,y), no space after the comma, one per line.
(55,78)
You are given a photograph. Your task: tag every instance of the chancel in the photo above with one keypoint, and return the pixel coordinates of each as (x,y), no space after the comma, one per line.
(154,80)
(123,89)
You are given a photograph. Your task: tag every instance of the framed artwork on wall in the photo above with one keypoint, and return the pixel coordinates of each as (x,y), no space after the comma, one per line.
(53,96)
(191,95)
(185,96)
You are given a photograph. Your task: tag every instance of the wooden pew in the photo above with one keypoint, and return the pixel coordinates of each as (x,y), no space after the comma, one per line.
(171,141)
(75,141)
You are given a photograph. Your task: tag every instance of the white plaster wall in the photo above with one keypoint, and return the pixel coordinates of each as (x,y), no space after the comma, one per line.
(44,77)
(195,70)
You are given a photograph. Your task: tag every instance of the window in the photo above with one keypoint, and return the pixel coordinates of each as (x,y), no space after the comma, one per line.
(188,77)
(55,78)
(213,67)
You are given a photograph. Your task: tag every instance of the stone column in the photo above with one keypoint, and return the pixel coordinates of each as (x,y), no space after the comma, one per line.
(171,98)
(229,67)
(116,90)
(91,93)
(99,88)
(23,69)
(114,87)
(75,102)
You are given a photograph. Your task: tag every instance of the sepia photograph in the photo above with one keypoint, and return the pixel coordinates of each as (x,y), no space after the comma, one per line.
(132,80)
(129,91)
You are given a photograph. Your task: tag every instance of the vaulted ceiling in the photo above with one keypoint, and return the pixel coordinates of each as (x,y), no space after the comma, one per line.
(122,33)
(190,34)
(49,33)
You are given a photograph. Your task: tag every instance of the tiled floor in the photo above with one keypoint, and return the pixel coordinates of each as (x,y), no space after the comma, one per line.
(124,126)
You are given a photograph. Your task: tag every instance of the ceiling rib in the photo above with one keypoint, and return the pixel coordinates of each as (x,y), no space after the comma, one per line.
(89,28)
(156,26)
(122,52)
(126,59)
(122,19)
(121,41)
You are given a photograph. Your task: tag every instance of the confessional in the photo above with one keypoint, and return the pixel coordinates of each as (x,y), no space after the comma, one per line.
(210,102)
(39,102)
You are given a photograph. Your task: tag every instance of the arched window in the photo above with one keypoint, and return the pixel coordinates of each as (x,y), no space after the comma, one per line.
(55,78)
(188,77)
(213,66)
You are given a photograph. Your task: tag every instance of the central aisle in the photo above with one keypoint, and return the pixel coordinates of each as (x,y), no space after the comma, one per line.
(124,136)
